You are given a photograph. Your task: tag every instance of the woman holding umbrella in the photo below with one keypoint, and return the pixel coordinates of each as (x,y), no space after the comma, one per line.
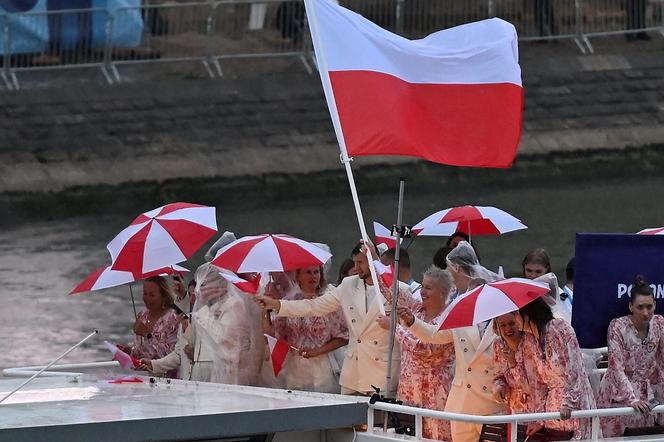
(473,348)
(635,353)
(156,327)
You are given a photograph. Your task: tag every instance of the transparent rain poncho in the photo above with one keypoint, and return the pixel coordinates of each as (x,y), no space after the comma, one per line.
(463,257)
(226,331)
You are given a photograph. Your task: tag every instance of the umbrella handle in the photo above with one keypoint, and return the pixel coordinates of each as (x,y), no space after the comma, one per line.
(133,303)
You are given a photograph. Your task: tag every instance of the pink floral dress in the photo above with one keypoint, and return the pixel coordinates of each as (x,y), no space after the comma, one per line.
(633,365)
(426,377)
(526,393)
(562,370)
(317,373)
(164,336)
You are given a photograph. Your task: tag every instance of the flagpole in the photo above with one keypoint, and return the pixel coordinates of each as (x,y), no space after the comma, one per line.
(336,123)
(395,295)
(49,365)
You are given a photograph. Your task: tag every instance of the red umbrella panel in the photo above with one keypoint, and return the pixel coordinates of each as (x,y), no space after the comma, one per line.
(106,277)
(162,237)
(491,300)
(471,220)
(652,231)
(269,253)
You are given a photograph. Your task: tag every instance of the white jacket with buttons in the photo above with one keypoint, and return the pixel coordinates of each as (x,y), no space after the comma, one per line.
(365,363)
(471,390)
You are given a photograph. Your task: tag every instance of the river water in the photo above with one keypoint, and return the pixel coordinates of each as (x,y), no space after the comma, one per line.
(41,261)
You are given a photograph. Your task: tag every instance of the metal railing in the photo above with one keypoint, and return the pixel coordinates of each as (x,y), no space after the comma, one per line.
(419,413)
(211,32)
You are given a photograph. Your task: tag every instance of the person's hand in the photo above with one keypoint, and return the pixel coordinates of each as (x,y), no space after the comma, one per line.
(405,316)
(533,427)
(146,365)
(189,351)
(500,394)
(141,328)
(369,248)
(642,407)
(267,303)
(383,321)
(565,412)
(307,353)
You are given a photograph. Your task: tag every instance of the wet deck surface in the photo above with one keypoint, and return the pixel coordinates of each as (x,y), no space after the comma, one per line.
(96,409)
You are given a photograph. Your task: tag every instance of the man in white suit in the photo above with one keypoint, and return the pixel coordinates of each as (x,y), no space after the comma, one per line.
(365,363)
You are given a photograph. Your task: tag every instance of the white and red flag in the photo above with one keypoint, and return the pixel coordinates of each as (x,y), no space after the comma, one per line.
(126,361)
(385,273)
(383,235)
(244,285)
(454,97)
(278,351)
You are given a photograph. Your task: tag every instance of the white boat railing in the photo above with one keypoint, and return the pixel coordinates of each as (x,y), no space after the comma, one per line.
(55,370)
(419,413)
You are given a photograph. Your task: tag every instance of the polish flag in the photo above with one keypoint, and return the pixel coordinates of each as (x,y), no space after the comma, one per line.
(126,361)
(386,273)
(250,287)
(278,351)
(383,235)
(454,97)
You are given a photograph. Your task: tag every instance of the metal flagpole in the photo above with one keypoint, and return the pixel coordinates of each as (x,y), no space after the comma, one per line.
(321,62)
(50,365)
(395,296)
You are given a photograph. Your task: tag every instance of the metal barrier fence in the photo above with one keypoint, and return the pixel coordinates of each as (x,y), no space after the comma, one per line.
(210,32)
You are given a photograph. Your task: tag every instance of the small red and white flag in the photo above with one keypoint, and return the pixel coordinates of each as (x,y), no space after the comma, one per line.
(454,97)
(126,361)
(278,351)
(250,287)
(385,273)
(383,235)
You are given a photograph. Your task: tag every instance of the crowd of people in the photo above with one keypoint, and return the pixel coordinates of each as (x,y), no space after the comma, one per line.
(525,361)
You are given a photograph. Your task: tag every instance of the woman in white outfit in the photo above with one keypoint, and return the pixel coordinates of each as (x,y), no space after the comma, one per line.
(471,391)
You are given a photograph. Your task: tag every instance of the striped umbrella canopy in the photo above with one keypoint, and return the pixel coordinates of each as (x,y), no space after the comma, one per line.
(491,300)
(652,231)
(106,277)
(269,253)
(471,220)
(162,237)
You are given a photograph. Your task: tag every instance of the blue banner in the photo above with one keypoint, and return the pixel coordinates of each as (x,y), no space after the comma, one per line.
(38,26)
(605,268)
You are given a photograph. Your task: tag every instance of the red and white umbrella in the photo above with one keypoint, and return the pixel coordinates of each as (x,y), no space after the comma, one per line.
(162,237)
(106,277)
(491,300)
(471,220)
(652,231)
(269,253)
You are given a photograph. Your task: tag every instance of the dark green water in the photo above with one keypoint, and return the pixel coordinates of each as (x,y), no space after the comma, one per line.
(40,261)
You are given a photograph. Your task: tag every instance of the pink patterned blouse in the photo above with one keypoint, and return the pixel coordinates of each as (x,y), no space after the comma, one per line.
(164,336)
(526,393)
(564,374)
(633,365)
(426,376)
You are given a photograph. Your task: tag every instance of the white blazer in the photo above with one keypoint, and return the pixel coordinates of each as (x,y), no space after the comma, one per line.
(365,363)
(471,391)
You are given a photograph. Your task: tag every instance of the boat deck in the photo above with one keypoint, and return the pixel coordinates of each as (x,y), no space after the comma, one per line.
(59,409)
